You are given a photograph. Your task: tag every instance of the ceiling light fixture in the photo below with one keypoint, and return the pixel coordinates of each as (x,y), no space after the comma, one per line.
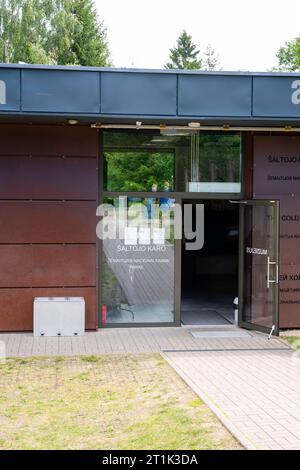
(194,125)
(96,125)
(72,122)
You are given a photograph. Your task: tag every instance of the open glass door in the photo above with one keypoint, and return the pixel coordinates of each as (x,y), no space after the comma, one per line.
(259,265)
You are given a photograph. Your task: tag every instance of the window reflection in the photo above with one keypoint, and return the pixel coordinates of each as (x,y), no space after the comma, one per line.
(137,281)
(172,161)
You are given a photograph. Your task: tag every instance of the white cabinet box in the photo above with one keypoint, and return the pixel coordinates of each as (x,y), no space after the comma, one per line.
(58,316)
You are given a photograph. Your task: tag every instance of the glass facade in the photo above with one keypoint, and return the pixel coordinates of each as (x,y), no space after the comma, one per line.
(172,161)
(144,173)
(260,258)
(130,170)
(138,261)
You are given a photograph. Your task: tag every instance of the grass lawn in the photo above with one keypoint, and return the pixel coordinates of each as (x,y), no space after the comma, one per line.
(294,341)
(106,402)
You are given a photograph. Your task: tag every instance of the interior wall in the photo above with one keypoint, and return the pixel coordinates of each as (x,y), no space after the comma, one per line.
(48,200)
(276,175)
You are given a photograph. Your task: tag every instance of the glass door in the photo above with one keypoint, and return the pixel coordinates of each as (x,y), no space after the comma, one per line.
(259,265)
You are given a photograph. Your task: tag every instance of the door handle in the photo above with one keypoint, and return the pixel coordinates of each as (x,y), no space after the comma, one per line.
(269,281)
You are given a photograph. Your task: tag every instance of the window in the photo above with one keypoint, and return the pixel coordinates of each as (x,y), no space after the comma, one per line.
(142,169)
(137,275)
(139,170)
(172,160)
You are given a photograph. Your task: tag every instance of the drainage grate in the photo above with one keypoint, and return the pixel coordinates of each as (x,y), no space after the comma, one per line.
(206,350)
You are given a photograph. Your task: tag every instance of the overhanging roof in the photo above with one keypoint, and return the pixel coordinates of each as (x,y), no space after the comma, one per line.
(92,94)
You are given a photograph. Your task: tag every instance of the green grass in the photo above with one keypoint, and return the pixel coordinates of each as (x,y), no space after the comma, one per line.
(106,402)
(294,341)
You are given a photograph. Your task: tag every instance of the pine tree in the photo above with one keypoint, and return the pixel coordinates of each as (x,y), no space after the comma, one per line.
(211,59)
(78,37)
(90,43)
(185,55)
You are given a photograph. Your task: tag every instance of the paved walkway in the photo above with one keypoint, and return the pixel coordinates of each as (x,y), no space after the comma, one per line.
(256,394)
(132,340)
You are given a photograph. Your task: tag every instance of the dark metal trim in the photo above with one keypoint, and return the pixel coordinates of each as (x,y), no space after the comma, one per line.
(140,325)
(99,241)
(177,275)
(179,196)
(174,195)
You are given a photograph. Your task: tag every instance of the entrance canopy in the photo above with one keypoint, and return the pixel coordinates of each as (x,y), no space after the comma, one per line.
(105,95)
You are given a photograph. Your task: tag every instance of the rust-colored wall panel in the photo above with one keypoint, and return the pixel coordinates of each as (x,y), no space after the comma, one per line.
(48,198)
(48,140)
(276,176)
(289,315)
(16,306)
(47,265)
(48,178)
(48,222)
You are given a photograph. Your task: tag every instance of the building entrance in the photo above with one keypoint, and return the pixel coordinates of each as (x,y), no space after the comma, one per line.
(210,275)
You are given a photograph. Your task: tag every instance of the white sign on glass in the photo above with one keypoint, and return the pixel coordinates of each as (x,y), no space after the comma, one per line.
(144,236)
(159,236)
(130,236)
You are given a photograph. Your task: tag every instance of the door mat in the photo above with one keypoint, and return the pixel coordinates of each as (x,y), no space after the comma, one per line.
(203,317)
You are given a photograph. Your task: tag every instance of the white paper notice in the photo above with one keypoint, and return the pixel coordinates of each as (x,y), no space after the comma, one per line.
(130,236)
(159,236)
(144,236)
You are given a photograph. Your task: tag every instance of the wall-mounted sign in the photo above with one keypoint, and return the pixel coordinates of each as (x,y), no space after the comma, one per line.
(276,175)
(276,165)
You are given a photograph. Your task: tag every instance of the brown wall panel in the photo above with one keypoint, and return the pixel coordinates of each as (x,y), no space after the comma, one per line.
(48,198)
(16,306)
(276,165)
(47,265)
(289,314)
(47,222)
(48,140)
(48,178)
(289,295)
(276,176)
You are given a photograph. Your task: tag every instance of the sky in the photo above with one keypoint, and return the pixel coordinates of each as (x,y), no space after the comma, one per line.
(246,34)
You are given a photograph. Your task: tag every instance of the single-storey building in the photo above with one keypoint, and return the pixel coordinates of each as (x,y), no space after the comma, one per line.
(72,138)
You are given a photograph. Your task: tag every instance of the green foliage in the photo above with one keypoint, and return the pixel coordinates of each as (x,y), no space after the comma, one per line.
(64,32)
(90,44)
(220,155)
(294,341)
(138,170)
(211,58)
(289,56)
(185,55)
